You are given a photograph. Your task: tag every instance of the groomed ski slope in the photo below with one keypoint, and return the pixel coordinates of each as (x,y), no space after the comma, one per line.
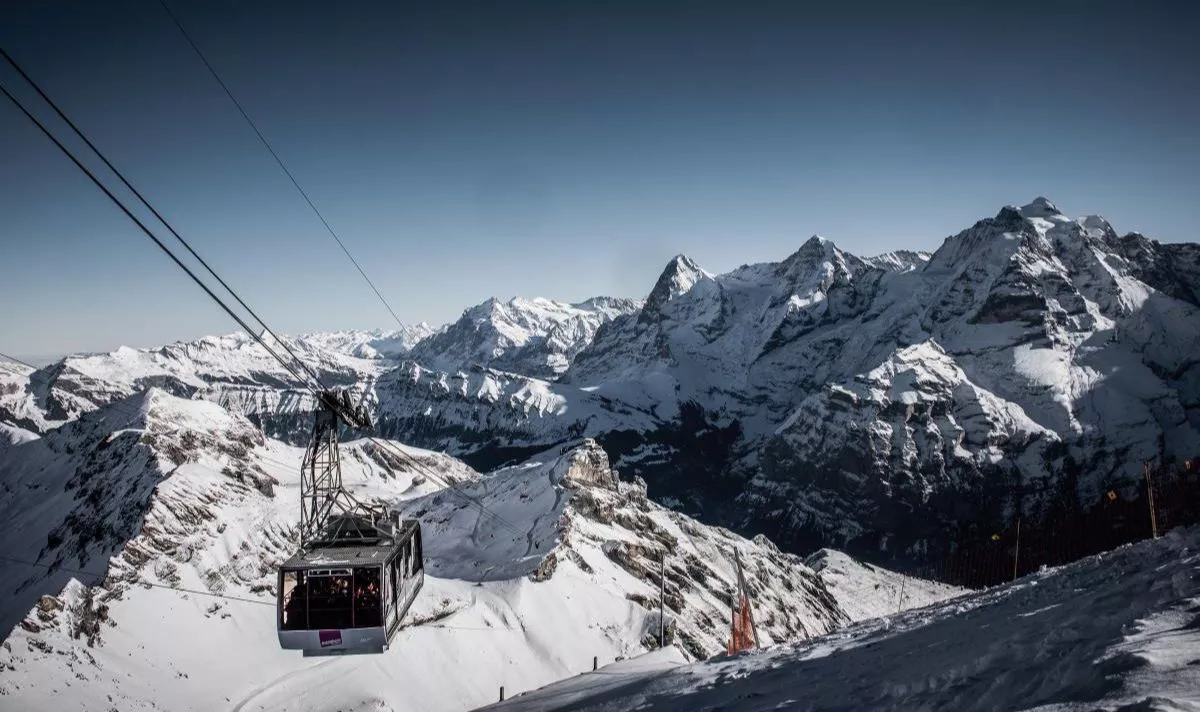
(1117,631)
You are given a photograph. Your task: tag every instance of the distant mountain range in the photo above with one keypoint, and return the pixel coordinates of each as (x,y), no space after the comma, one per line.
(877,405)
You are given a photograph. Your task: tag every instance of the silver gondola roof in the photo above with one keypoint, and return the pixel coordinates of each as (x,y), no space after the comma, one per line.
(335,555)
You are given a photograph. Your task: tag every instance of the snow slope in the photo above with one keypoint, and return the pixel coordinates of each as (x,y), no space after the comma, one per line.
(865,591)
(1119,631)
(139,544)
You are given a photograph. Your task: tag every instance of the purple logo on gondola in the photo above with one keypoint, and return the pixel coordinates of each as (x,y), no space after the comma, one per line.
(330,637)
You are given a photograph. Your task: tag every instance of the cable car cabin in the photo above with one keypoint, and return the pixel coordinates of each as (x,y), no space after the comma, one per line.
(344,598)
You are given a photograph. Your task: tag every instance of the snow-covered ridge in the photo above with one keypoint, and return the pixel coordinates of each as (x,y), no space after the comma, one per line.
(829,399)
(155,492)
(1116,631)
(535,337)
(864,591)
(373,344)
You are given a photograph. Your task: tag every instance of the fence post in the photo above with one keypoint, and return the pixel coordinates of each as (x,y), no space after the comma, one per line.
(502,693)
(1017,553)
(595,663)
(1150,500)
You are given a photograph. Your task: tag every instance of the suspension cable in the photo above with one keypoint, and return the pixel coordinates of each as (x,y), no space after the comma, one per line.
(150,234)
(17,361)
(8,58)
(279,161)
(412,463)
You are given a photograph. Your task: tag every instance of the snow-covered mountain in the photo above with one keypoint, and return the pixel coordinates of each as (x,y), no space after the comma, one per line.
(376,343)
(869,404)
(1112,632)
(229,369)
(533,337)
(831,400)
(139,545)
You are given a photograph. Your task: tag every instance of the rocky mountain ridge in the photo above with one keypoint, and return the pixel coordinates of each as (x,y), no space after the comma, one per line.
(145,534)
(873,404)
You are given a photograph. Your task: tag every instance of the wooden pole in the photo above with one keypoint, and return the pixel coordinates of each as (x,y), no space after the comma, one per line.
(1150,500)
(1017,553)
(662,594)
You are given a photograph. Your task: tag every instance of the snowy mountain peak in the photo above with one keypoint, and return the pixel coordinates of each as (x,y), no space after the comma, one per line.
(533,336)
(683,272)
(1040,208)
(679,276)
(819,251)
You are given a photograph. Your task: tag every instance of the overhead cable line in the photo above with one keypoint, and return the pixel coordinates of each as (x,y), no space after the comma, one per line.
(17,360)
(412,463)
(279,161)
(92,574)
(223,596)
(406,460)
(16,102)
(8,58)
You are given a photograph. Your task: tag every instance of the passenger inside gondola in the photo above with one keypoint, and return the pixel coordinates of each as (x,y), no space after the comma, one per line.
(295,597)
(367,612)
(329,602)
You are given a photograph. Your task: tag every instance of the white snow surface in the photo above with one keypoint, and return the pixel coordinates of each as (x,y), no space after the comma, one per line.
(156,525)
(865,591)
(373,344)
(1117,631)
(535,337)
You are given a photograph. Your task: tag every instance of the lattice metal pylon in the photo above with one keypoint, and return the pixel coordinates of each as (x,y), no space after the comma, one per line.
(329,513)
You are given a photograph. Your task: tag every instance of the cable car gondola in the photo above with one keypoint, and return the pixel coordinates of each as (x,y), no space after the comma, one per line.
(359,567)
(350,597)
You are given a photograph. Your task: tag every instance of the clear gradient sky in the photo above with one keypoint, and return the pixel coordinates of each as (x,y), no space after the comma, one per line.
(562,149)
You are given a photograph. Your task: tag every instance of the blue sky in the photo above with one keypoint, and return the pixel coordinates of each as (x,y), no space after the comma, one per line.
(560,149)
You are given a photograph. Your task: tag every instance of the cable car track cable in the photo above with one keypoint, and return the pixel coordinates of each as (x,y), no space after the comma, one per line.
(54,568)
(279,161)
(332,233)
(8,58)
(291,369)
(143,227)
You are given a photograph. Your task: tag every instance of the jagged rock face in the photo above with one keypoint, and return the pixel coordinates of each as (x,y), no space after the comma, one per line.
(591,525)
(182,513)
(106,488)
(899,260)
(1038,350)
(532,337)
(588,466)
(877,404)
